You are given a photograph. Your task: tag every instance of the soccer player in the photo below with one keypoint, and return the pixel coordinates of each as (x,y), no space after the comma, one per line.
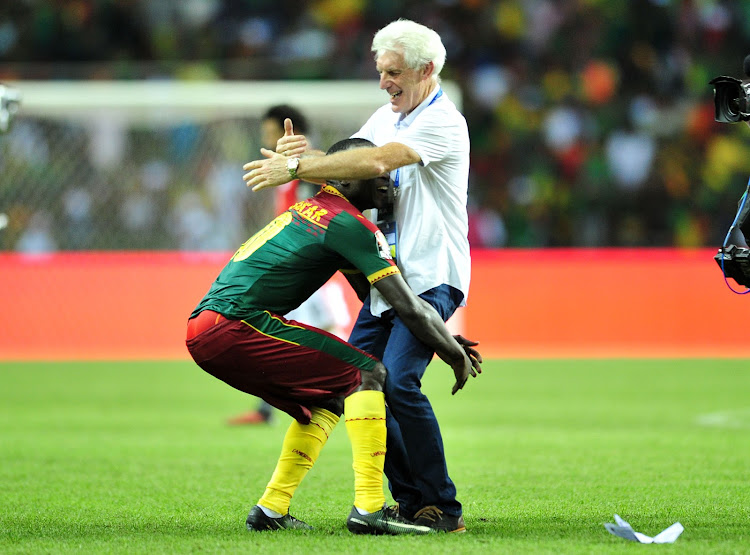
(272,129)
(423,141)
(236,334)
(325,308)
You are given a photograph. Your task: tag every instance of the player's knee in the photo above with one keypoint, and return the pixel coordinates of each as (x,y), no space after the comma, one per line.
(375,378)
(336,405)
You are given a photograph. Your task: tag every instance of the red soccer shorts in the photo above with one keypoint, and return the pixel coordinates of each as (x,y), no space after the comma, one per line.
(288,364)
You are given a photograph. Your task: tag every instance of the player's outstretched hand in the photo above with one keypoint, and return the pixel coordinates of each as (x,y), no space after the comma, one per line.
(469,366)
(270,172)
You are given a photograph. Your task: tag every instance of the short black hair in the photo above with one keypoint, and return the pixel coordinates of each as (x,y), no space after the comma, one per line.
(282,111)
(347,144)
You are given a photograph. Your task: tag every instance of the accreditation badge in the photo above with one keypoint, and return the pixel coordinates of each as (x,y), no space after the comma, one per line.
(384,250)
(388,228)
(386,216)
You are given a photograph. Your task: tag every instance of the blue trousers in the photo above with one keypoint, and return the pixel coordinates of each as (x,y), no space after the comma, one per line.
(415,458)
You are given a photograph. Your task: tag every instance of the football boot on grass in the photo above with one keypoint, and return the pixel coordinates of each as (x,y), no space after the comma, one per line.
(385,521)
(258,521)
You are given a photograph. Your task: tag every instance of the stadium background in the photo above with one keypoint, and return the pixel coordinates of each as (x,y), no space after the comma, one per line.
(600,183)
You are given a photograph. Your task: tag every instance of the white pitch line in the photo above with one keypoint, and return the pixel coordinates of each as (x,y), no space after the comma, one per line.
(736,419)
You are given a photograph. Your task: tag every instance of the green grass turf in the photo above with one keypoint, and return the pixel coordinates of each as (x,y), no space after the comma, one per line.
(136,458)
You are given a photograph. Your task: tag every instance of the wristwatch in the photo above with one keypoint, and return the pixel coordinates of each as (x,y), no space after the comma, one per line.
(291,165)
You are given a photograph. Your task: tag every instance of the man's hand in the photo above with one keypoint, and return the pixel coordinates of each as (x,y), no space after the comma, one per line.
(473,354)
(270,172)
(469,366)
(291,144)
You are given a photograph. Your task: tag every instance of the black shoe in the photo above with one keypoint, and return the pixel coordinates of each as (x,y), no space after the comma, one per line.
(437,520)
(384,521)
(258,521)
(399,511)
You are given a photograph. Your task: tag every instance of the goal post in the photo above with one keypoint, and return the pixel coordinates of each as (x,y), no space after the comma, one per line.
(348,101)
(134,165)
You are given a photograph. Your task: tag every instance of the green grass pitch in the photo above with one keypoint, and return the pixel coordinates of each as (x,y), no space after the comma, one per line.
(127,457)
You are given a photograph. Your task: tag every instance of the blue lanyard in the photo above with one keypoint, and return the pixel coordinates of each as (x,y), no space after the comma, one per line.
(397,179)
(438,95)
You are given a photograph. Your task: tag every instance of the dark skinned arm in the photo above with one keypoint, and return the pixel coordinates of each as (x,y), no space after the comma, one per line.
(426,325)
(360,284)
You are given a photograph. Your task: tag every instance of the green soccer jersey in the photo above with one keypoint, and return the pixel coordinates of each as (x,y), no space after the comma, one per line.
(279,267)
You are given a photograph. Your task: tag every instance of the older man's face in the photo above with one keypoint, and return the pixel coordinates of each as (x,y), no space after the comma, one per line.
(407,87)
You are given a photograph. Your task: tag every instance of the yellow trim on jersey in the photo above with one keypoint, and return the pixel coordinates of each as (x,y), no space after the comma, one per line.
(334,191)
(273,336)
(384,273)
(287,324)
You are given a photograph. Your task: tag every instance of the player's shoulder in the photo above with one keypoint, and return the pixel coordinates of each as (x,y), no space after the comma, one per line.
(352,218)
(340,209)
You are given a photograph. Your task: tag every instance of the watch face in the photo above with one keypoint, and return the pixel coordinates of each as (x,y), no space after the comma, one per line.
(291,166)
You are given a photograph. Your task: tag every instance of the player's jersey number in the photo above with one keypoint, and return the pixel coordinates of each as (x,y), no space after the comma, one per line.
(259,239)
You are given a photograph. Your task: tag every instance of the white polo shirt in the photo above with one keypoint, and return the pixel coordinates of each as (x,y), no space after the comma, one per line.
(431,218)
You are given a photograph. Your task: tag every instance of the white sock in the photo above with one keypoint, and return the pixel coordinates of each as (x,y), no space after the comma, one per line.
(269,512)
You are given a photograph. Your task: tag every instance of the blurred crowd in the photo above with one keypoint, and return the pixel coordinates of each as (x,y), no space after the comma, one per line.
(591,121)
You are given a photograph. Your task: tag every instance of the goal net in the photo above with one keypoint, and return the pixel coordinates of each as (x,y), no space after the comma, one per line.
(155,164)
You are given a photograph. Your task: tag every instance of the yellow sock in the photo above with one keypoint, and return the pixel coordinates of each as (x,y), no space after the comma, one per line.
(300,450)
(365,424)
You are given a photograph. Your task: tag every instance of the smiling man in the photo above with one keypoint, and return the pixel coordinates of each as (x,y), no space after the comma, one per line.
(423,141)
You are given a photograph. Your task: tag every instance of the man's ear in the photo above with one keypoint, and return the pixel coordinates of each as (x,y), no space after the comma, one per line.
(427,70)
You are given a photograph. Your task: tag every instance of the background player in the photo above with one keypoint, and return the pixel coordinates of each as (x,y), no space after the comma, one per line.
(326,308)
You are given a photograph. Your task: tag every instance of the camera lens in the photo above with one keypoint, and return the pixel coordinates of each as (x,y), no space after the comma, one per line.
(727,102)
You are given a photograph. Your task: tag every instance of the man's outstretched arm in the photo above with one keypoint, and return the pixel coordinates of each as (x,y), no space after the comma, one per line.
(356,163)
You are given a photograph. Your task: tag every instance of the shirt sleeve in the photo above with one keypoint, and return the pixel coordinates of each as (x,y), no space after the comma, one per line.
(363,244)
(430,135)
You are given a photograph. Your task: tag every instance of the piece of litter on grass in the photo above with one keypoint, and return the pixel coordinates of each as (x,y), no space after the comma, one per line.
(625,531)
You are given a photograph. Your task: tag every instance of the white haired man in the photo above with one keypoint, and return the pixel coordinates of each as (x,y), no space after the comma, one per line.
(423,141)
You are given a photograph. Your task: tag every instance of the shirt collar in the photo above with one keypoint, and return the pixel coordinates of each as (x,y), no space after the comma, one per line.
(333,191)
(406,121)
